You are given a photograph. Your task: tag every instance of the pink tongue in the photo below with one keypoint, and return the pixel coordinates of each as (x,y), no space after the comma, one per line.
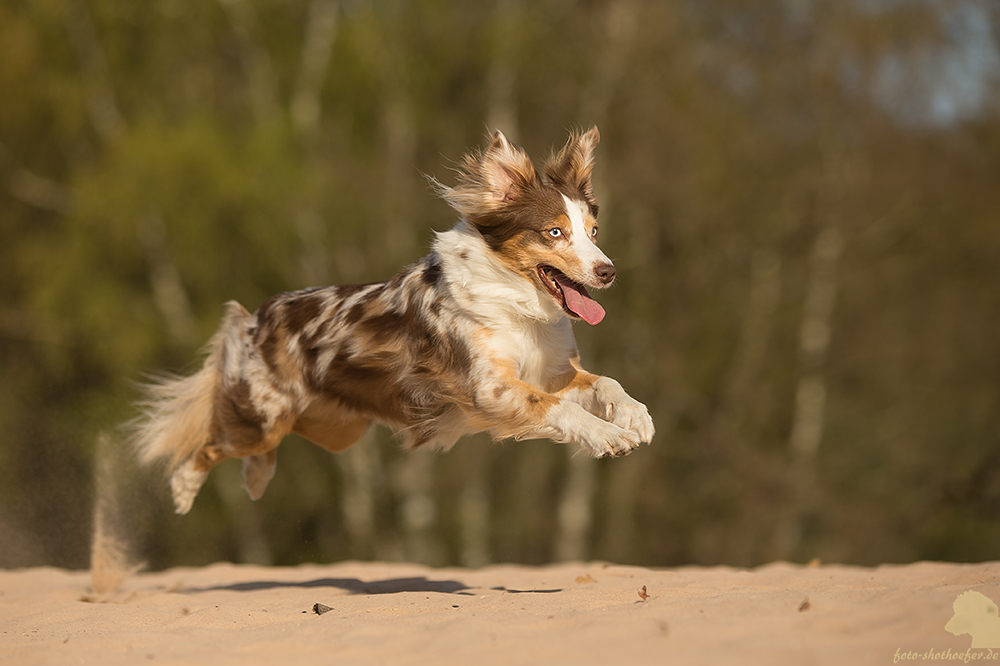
(579,301)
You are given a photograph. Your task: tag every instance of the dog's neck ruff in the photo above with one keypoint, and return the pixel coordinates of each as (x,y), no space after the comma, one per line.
(484,287)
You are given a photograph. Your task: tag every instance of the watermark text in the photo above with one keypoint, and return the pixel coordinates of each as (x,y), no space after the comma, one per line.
(970,655)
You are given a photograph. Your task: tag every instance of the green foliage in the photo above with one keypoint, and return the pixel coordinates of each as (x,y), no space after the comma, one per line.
(153,166)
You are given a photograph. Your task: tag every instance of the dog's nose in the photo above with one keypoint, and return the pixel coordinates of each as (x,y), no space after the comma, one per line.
(605,273)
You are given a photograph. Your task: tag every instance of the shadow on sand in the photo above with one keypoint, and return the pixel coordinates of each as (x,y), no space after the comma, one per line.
(356,586)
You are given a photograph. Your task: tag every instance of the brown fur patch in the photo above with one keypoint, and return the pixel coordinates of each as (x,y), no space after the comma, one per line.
(208,457)
(274,350)
(300,311)
(237,422)
(331,426)
(575,379)
(364,387)
(395,366)
(570,169)
(525,404)
(361,307)
(536,211)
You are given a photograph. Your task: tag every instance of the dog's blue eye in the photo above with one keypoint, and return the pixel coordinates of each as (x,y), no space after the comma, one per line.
(555,232)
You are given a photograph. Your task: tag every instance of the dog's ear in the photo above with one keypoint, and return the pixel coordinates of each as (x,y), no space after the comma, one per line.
(499,175)
(507,169)
(571,167)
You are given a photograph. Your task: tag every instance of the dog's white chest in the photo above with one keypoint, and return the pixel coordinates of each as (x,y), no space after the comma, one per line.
(539,351)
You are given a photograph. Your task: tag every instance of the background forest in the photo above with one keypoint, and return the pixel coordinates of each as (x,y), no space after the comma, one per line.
(802,198)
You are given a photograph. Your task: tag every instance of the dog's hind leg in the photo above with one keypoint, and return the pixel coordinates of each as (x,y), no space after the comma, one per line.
(260,459)
(190,475)
(258,469)
(185,483)
(258,472)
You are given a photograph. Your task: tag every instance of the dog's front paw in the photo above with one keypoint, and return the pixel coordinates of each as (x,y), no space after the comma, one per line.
(570,422)
(608,440)
(623,410)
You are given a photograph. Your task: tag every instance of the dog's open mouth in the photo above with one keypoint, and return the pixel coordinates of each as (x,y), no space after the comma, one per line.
(572,296)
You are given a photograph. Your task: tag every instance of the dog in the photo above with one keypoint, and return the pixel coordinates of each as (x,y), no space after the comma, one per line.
(476,336)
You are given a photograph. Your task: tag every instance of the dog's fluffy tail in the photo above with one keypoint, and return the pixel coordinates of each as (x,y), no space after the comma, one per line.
(177,412)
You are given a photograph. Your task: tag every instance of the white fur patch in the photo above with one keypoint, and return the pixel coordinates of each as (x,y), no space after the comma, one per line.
(586,250)
(599,438)
(623,410)
(486,288)
(527,325)
(185,483)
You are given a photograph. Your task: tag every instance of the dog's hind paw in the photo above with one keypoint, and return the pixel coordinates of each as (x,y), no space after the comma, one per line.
(185,483)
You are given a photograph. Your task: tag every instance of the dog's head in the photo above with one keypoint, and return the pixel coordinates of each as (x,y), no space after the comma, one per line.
(543,227)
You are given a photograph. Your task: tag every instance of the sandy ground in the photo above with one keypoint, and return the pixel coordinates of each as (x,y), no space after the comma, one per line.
(563,614)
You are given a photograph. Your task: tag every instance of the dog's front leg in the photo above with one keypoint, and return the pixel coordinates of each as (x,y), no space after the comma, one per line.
(522,411)
(605,398)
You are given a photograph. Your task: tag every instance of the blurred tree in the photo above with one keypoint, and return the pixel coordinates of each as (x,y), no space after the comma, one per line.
(798,196)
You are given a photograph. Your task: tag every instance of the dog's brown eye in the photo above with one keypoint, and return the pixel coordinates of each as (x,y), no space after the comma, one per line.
(593,232)
(555,232)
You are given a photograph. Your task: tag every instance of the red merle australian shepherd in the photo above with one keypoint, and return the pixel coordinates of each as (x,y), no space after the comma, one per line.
(475,336)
